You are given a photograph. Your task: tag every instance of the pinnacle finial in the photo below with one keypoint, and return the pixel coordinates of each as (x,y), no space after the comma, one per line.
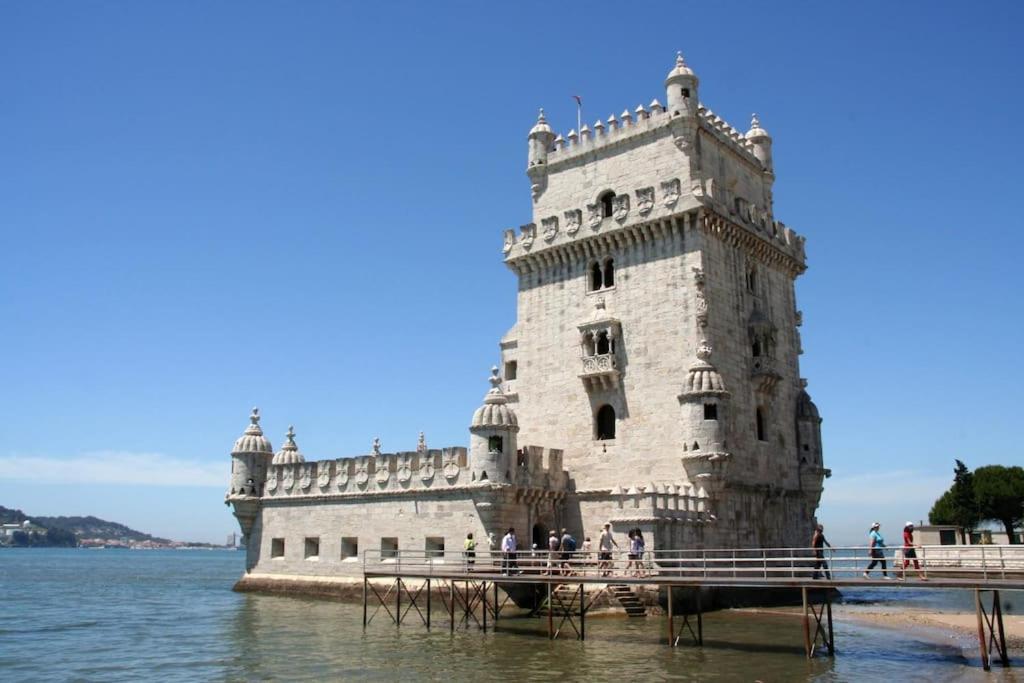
(255,417)
(679,58)
(421,445)
(494,379)
(376,445)
(704,350)
(540,116)
(291,434)
(754,121)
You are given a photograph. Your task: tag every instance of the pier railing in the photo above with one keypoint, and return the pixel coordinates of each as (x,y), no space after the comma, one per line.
(978,562)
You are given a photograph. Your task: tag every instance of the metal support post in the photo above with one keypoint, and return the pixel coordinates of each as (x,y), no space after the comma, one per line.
(483,594)
(671,623)
(451,604)
(583,613)
(365,582)
(398,602)
(428,604)
(551,621)
(807,625)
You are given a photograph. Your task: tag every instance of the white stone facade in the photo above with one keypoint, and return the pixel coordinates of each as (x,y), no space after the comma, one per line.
(655,357)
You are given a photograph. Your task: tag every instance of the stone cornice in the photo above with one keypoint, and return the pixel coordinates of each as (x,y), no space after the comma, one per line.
(772,249)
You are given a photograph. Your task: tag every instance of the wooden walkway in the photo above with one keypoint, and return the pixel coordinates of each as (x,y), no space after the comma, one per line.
(403,584)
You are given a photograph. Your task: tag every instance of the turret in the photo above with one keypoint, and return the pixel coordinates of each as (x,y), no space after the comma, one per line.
(762,142)
(492,443)
(681,89)
(808,429)
(249,461)
(249,458)
(289,453)
(540,140)
(705,405)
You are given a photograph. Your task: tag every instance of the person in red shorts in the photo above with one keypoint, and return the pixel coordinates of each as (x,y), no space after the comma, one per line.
(909,553)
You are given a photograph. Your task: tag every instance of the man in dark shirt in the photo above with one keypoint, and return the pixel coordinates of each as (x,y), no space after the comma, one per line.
(818,542)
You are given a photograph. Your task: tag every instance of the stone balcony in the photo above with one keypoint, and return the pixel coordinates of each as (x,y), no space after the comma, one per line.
(764,375)
(600,372)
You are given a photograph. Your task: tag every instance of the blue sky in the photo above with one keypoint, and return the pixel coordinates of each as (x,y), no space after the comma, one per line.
(299,206)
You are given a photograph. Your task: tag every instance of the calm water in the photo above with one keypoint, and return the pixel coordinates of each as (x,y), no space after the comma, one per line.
(170,615)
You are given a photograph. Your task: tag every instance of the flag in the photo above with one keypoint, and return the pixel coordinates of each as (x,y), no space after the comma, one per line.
(579,100)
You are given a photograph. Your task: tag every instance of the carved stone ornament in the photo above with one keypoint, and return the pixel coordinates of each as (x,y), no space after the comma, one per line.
(404,472)
(573,221)
(323,475)
(272,480)
(700,301)
(376,445)
(550,227)
(289,478)
(620,207)
(670,192)
(645,200)
(421,443)
(306,478)
(383,473)
(427,470)
(594,216)
(451,466)
(528,234)
(510,240)
(341,474)
(362,472)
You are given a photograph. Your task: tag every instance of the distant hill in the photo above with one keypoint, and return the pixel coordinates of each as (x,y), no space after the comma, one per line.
(81,527)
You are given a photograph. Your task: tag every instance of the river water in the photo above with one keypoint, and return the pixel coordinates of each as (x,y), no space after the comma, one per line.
(116,615)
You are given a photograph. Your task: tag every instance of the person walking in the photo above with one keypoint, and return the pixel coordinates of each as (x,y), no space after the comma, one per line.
(568,548)
(630,555)
(469,551)
(909,552)
(553,545)
(508,552)
(818,542)
(604,551)
(636,550)
(877,552)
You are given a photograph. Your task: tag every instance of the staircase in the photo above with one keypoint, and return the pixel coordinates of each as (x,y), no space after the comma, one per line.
(563,597)
(628,600)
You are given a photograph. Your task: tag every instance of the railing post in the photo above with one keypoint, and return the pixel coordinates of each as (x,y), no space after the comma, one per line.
(984,564)
(1002,563)
(704,563)
(792,566)
(764,562)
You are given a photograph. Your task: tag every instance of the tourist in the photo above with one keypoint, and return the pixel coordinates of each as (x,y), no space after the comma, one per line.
(877,552)
(638,549)
(553,545)
(588,549)
(469,551)
(508,553)
(604,550)
(568,547)
(630,555)
(909,553)
(818,542)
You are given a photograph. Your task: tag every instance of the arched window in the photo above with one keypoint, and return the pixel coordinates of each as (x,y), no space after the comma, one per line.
(752,280)
(603,345)
(760,425)
(755,348)
(609,273)
(596,279)
(588,344)
(605,423)
(606,203)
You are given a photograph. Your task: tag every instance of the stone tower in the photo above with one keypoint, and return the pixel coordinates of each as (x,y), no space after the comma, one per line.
(656,340)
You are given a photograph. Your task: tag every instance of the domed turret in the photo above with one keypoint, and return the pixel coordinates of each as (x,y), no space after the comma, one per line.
(249,459)
(252,440)
(704,400)
(289,453)
(808,428)
(493,436)
(762,142)
(681,89)
(541,138)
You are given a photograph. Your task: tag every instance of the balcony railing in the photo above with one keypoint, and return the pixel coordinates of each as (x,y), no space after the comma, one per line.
(600,371)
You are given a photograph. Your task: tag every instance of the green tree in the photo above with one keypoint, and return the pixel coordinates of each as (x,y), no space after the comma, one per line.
(999,492)
(958,506)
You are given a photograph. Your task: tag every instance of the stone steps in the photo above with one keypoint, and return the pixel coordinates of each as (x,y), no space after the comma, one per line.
(628,600)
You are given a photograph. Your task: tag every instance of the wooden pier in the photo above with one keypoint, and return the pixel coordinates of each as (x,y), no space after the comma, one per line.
(401,584)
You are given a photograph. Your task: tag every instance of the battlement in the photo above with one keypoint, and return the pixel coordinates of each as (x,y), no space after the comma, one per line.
(629,126)
(402,472)
(653,501)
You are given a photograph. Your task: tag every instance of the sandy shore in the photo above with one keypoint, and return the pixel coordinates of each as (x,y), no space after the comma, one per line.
(961,625)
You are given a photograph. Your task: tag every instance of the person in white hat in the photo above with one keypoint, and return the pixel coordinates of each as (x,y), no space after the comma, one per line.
(909,553)
(877,552)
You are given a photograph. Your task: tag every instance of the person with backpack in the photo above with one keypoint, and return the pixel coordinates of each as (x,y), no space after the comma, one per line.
(568,548)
